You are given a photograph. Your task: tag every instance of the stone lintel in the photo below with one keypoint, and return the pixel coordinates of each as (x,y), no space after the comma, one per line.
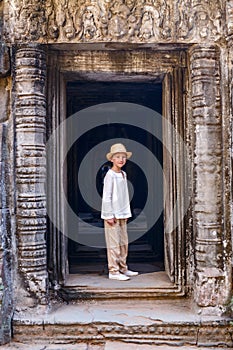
(119,21)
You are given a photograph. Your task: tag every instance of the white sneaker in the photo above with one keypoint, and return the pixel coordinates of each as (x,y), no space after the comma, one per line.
(118,277)
(130,273)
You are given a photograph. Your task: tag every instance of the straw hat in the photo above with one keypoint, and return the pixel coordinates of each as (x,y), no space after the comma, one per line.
(118,148)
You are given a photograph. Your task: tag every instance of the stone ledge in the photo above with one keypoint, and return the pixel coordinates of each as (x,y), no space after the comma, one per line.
(107,346)
(170,323)
(156,334)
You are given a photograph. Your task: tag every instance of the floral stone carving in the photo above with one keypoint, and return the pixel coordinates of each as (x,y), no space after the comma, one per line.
(119,20)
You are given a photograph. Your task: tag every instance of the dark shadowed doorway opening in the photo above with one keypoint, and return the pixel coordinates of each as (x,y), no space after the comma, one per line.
(146,254)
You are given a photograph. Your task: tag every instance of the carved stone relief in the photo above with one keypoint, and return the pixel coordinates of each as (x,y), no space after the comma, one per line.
(229,17)
(106,20)
(210,252)
(30,112)
(199,19)
(120,20)
(175,335)
(25,20)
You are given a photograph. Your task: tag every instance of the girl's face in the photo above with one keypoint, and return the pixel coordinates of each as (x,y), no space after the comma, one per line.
(119,160)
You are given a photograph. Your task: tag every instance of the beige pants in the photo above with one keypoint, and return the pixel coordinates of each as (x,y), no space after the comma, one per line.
(117,245)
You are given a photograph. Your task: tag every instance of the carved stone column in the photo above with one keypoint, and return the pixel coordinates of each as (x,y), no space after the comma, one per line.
(30,114)
(212,285)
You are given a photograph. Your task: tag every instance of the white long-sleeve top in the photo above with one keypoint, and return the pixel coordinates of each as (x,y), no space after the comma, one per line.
(115,201)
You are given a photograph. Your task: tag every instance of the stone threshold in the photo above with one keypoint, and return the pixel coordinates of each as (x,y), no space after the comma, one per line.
(98,286)
(160,322)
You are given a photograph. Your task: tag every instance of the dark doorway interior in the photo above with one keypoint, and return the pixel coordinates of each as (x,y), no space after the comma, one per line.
(146,253)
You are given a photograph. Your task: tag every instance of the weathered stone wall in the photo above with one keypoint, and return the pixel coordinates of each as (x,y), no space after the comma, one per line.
(229,21)
(6,297)
(6,208)
(204,30)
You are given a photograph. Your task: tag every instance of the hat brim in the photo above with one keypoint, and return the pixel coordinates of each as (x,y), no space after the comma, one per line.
(110,155)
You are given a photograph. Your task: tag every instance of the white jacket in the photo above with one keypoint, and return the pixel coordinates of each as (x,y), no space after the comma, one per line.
(115,201)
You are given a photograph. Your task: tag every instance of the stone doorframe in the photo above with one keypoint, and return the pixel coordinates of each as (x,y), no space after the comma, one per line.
(117,65)
(203,260)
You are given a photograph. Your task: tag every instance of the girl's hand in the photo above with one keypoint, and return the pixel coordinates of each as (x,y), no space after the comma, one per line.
(111,221)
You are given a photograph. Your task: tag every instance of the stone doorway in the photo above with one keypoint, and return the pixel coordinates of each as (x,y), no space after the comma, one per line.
(146,253)
(164,69)
(191,56)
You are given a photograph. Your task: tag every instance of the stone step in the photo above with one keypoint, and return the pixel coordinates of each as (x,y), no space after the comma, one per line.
(98,286)
(176,335)
(122,325)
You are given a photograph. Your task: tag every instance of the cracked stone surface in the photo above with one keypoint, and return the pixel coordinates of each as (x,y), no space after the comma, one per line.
(82,313)
(146,312)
